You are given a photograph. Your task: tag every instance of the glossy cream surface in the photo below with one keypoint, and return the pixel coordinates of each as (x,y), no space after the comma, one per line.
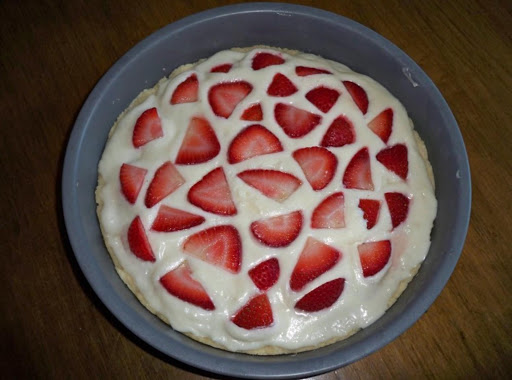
(363,300)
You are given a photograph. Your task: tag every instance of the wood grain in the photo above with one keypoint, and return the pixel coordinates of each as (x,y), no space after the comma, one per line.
(52,53)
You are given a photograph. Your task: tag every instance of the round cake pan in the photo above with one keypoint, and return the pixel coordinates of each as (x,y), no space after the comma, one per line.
(288,26)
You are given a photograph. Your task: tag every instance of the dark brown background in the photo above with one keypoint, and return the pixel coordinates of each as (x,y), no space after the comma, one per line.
(52,55)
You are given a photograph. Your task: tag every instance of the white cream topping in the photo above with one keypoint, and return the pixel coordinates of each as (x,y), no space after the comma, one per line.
(363,299)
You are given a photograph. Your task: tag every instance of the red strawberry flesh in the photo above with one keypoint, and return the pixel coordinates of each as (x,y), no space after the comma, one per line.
(165,181)
(253,113)
(321,297)
(323,98)
(371,209)
(223,68)
(358,95)
(382,124)
(131,178)
(272,183)
(303,71)
(358,173)
(148,127)
(170,219)
(318,164)
(374,256)
(138,241)
(315,259)
(281,86)
(186,91)
(330,213)
(254,140)
(278,231)
(255,314)
(200,143)
(394,158)
(180,283)
(219,245)
(295,122)
(224,97)
(265,274)
(398,205)
(212,194)
(262,60)
(340,132)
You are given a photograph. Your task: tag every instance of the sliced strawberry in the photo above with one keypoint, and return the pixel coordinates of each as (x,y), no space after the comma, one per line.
(187,91)
(148,127)
(180,283)
(382,124)
(265,274)
(253,113)
(167,179)
(295,122)
(278,231)
(394,158)
(223,68)
(255,314)
(200,143)
(330,213)
(318,164)
(224,97)
(398,205)
(272,183)
(171,219)
(358,174)
(138,241)
(219,245)
(281,86)
(212,194)
(358,95)
(371,210)
(323,98)
(254,140)
(315,259)
(131,178)
(340,132)
(321,297)
(262,60)
(374,256)
(303,71)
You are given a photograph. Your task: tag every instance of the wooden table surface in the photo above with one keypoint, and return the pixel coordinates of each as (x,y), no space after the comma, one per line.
(52,55)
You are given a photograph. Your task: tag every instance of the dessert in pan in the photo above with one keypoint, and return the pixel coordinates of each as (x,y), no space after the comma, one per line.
(265,200)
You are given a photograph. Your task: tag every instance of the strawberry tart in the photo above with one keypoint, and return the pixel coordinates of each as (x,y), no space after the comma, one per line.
(266,201)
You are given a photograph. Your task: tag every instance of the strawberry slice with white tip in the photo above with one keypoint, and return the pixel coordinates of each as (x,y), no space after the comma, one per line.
(254,140)
(148,127)
(262,60)
(223,68)
(330,213)
(278,231)
(271,183)
(371,210)
(220,246)
(323,98)
(315,259)
(382,124)
(170,219)
(224,97)
(303,71)
(374,256)
(186,91)
(398,205)
(341,132)
(318,164)
(281,86)
(180,283)
(358,174)
(212,194)
(200,143)
(265,274)
(131,178)
(255,314)
(321,297)
(358,95)
(295,122)
(165,181)
(394,158)
(138,241)
(253,113)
